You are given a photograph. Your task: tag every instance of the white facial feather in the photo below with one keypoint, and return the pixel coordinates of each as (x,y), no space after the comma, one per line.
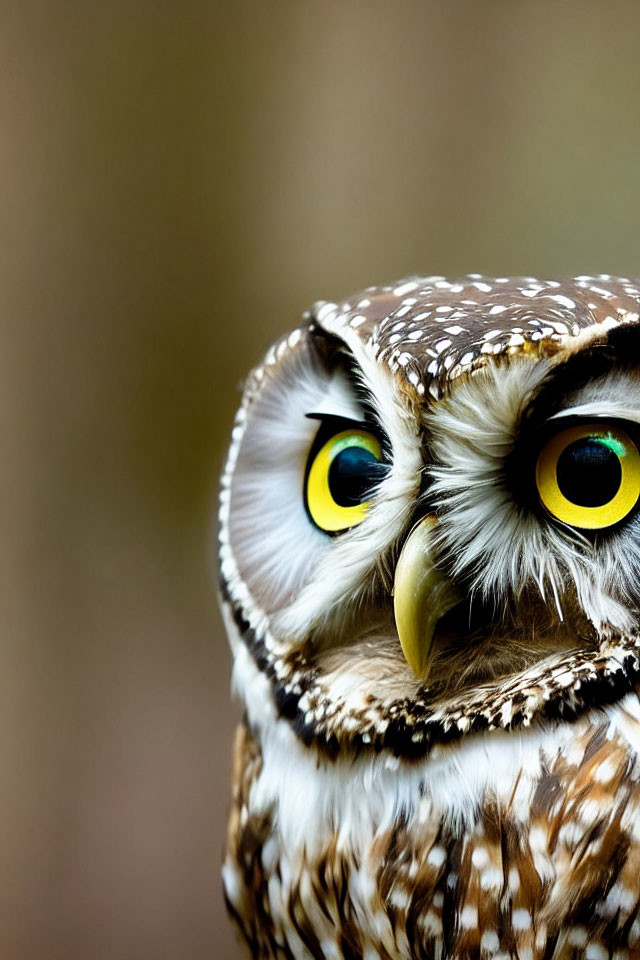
(274,545)
(345,573)
(616,396)
(486,535)
(277,563)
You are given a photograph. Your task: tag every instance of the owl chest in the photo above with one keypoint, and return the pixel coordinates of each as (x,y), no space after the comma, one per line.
(485,851)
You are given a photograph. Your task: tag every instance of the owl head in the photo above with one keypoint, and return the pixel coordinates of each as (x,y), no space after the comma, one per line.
(429,515)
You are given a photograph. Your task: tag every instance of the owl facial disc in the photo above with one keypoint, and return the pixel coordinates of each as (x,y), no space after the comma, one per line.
(422,595)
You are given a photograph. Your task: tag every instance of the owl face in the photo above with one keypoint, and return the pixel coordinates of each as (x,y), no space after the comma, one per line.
(429,516)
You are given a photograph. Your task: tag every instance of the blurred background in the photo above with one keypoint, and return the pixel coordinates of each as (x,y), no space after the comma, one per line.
(178,181)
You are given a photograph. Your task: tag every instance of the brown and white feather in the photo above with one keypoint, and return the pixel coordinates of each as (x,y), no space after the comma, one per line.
(493,809)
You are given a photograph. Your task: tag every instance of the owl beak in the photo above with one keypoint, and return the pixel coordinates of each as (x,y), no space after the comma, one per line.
(422,595)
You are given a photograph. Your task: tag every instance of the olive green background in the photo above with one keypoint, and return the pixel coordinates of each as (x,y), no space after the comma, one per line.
(178,181)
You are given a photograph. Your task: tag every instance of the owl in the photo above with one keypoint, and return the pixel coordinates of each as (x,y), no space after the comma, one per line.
(430,578)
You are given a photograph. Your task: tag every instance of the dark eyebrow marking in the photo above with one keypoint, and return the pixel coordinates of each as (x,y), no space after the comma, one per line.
(338,418)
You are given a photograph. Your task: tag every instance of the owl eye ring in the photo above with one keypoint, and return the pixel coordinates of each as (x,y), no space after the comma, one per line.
(340,477)
(588,476)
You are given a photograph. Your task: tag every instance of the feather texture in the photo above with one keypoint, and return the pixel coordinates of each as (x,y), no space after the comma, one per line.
(492,808)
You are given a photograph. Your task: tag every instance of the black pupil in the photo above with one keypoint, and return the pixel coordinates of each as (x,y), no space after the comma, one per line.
(352,475)
(588,473)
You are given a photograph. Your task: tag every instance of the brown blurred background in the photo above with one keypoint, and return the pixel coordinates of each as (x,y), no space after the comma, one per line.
(178,181)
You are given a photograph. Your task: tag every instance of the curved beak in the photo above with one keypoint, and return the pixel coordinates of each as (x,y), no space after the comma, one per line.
(422,594)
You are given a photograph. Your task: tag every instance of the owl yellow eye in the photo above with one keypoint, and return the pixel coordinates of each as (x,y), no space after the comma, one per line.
(340,478)
(589,476)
